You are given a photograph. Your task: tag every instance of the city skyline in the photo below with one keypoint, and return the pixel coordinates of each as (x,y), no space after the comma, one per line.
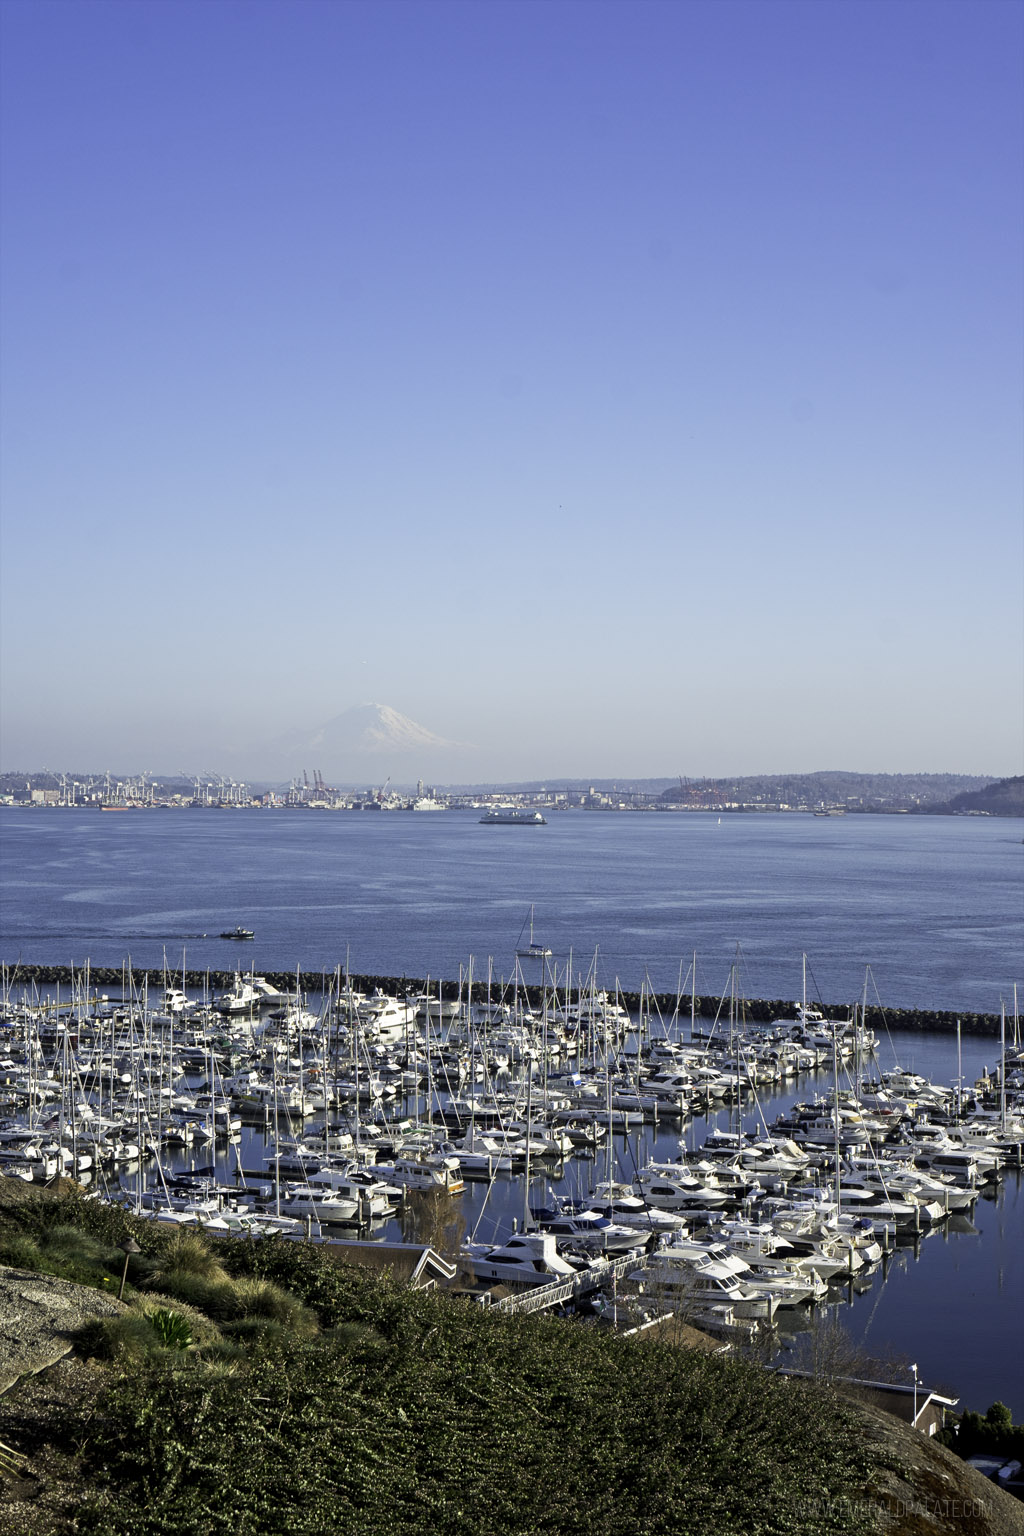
(614,391)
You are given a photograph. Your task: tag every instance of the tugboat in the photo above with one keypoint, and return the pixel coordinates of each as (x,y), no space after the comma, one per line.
(239,933)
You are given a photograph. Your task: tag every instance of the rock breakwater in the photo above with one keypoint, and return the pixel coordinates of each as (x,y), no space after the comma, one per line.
(112,979)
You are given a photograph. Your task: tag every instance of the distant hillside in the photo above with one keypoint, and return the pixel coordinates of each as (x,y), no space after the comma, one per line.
(835,787)
(1004,798)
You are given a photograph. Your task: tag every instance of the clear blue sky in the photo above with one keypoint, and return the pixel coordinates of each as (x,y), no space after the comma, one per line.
(619,388)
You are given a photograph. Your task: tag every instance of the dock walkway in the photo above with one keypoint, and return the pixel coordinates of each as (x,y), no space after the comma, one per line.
(541,1297)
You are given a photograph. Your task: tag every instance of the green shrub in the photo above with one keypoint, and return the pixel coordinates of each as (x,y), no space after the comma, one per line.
(413,1413)
(212,1296)
(992,1433)
(74,1247)
(137,1336)
(20,1251)
(266,1332)
(188,1253)
(127,1339)
(171,1328)
(44,1211)
(357,1340)
(205,1333)
(264,1299)
(62,1250)
(228,1357)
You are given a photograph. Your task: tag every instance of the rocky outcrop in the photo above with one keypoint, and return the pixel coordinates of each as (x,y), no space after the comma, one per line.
(39,1316)
(923,1489)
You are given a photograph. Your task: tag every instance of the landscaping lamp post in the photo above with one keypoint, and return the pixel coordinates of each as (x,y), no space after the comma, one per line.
(914,1369)
(128,1247)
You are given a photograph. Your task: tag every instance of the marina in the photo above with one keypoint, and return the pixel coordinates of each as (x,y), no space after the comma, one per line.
(548,1108)
(752,1179)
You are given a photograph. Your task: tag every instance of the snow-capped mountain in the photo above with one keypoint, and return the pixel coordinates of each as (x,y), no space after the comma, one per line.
(367,742)
(373,728)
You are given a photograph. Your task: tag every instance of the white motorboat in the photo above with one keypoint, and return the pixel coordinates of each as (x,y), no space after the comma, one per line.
(526,1258)
(588,1230)
(322,1205)
(372,1194)
(631,1211)
(677,1192)
(430,1171)
(703,1281)
(243,997)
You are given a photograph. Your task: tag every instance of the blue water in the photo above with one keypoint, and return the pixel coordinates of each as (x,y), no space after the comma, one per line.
(932,904)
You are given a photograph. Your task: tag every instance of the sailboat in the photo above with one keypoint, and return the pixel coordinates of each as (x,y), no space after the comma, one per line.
(532,949)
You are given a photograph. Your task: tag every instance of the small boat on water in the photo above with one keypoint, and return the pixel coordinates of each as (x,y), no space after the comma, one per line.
(533,949)
(238,933)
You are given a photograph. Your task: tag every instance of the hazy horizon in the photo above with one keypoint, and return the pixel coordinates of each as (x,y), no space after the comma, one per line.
(364,768)
(616,391)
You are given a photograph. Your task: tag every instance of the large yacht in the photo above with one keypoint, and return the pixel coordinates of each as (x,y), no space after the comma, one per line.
(530,1258)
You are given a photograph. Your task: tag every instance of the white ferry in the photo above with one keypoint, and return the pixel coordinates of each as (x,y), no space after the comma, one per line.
(512,816)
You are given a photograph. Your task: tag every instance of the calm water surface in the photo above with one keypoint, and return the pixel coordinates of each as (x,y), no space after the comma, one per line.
(932,904)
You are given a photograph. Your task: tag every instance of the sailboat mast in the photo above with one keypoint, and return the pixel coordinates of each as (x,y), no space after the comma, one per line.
(835,1113)
(529,1137)
(803,989)
(1002,1067)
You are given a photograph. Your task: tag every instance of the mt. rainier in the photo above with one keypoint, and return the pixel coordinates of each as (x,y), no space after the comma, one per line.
(365,744)
(373,728)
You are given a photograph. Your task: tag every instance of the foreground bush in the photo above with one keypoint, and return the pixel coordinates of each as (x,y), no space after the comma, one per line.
(263,1300)
(187,1254)
(19,1250)
(411,1414)
(447,1420)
